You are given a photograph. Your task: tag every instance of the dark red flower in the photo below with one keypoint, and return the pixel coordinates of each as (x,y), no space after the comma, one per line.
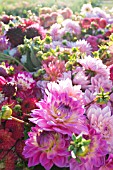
(6,140)
(16,128)
(19,148)
(9,89)
(28,105)
(10,159)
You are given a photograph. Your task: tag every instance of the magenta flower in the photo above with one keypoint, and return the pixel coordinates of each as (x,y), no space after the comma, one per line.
(62,109)
(46,148)
(95,155)
(108,163)
(24,80)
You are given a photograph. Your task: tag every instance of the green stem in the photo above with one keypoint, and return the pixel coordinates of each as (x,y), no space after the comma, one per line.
(7,57)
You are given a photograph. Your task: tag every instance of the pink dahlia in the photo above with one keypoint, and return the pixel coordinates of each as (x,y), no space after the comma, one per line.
(93,40)
(62,109)
(54,31)
(46,148)
(102,121)
(94,65)
(83,46)
(100,81)
(108,163)
(53,67)
(71,26)
(94,155)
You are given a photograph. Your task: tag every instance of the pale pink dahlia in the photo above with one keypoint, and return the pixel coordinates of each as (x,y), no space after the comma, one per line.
(71,26)
(46,148)
(94,155)
(94,65)
(102,121)
(83,46)
(100,81)
(62,109)
(54,31)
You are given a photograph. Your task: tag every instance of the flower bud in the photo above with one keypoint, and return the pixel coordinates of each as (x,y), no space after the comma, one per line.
(6,112)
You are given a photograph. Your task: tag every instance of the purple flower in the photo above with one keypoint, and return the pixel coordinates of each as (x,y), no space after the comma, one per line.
(62,109)
(46,148)
(4,44)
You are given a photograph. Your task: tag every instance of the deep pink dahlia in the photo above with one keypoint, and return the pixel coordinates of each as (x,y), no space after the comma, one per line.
(46,148)
(62,109)
(95,155)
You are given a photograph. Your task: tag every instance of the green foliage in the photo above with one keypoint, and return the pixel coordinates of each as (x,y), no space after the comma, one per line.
(12,7)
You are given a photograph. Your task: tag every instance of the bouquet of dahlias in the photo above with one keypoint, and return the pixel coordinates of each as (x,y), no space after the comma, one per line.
(56,90)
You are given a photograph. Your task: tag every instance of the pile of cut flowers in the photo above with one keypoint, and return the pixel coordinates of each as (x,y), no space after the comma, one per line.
(56,90)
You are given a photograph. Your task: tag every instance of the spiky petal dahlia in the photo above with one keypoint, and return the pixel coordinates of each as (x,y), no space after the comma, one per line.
(94,158)
(62,109)
(46,148)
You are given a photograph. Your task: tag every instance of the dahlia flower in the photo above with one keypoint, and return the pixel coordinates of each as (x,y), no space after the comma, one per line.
(79,78)
(94,65)
(10,159)
(93,41)
(108,163)
(23,80)
(6,140)
(94,158)
(71,26)
(100,81)
(46,148)
(15,127)
(54,31)
(35,30)
(62,109)
(83,46)
(102,121)
(53,67)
